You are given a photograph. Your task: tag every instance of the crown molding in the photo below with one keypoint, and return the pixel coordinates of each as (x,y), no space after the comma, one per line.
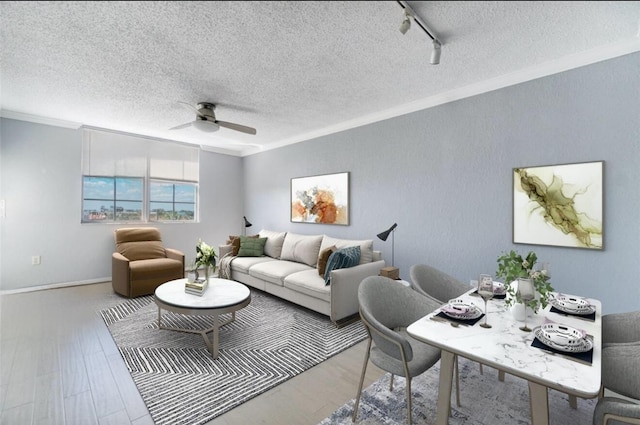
(21,116)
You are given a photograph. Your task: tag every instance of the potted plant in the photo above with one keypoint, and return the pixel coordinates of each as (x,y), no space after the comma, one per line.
(512,266)
(206,257)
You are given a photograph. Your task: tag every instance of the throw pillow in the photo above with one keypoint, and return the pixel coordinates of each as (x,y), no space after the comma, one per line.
(234,241)
(341,259)
(251,247)
(324,257)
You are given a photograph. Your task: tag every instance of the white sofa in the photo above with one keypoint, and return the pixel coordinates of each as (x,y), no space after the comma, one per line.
(288,269)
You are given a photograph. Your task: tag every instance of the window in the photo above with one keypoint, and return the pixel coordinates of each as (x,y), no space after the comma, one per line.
(135,179)
(172,201)
(109,199)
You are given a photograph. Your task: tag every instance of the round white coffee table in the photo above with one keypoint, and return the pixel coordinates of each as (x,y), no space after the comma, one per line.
(222,296)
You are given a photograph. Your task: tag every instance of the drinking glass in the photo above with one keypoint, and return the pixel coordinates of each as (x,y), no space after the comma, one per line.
(485,290)
(527,293)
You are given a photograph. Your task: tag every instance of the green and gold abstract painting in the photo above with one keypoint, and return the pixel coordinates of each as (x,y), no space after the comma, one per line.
(559,205)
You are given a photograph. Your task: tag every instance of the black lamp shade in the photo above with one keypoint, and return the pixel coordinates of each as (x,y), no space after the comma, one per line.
(384,235)
(246,222)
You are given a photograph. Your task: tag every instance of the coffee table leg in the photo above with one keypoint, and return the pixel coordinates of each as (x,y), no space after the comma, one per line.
(159,317)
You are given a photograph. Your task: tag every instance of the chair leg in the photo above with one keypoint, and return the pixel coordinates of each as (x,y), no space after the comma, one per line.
(409,400)
(364,370)
(455,365)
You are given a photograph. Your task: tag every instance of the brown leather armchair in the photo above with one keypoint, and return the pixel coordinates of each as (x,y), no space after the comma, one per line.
(141,263)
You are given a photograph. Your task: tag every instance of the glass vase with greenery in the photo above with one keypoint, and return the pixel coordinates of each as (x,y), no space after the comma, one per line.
(512,266)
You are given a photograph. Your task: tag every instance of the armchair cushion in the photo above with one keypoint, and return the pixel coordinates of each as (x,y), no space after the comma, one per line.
(146,250)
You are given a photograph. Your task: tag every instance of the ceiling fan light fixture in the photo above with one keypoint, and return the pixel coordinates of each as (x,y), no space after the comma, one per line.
(205,125)
(435,53)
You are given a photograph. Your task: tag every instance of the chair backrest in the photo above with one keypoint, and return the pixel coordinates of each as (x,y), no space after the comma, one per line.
(139,243)
(621,353)
(436,284)
(387,306)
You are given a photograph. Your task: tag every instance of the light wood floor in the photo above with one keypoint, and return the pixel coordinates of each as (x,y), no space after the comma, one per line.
(59,365)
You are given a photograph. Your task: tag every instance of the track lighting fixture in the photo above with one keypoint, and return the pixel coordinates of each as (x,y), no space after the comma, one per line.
(406,23)
(435,53)
(409,14)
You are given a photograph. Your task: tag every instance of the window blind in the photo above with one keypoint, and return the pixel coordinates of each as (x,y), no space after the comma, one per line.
(114,154)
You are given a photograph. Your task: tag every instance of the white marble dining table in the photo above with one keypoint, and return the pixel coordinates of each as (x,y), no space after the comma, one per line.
(508,349)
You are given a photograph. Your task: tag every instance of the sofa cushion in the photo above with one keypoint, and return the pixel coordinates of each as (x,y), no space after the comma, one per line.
(323,258)
(273,247)
(234,241)
(366,246)
(308,282)
(251,247)
(276,271)
(244,264)
(301,248)
(340,259)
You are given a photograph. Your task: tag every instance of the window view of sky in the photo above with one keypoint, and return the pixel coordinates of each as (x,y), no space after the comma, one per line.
(109,199)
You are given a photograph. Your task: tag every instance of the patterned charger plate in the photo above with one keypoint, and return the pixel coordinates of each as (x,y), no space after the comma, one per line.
(572,305)
(459,309)
(563,338)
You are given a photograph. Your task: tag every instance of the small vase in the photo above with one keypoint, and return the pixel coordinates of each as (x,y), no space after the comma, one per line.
(207,272)
(518,310)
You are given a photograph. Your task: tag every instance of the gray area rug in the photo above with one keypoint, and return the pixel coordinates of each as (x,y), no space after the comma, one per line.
(270,341)
(485,401)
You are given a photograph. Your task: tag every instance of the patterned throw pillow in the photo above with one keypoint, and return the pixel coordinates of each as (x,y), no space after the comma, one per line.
(341,259)
(251,247)
(324,258)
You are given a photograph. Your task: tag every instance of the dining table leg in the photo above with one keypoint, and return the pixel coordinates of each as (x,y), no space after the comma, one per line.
(539,402)
(447,361)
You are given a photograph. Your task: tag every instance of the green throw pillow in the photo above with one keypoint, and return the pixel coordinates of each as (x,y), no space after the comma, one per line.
(251,247)
(341,259)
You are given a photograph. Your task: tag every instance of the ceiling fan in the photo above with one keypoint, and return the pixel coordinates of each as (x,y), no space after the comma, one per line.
(206,120)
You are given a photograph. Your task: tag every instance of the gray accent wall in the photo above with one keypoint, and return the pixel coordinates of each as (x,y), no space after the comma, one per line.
(41,175)
(444,175)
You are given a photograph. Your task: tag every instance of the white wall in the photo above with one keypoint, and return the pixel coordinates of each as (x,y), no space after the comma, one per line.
(42,181)
(445,176)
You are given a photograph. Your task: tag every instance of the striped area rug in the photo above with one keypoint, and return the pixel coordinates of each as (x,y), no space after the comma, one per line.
(270,341)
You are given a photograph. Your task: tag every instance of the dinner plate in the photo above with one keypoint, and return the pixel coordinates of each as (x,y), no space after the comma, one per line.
(460,309)
(563,338)
(572,305)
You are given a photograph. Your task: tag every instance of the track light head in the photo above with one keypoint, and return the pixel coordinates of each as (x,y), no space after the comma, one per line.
(435,53)
(406,23)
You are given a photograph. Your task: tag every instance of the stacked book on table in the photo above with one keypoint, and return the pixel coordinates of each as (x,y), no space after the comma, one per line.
(197,287)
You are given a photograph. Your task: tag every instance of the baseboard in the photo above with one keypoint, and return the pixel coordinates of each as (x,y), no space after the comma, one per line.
(54,286)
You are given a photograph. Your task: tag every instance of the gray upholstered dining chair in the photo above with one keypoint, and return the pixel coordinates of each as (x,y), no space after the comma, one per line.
(387,308)
(440,287)
(620,369)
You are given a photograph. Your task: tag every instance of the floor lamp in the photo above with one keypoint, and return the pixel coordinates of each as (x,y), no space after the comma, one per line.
(246,224)
(390,272)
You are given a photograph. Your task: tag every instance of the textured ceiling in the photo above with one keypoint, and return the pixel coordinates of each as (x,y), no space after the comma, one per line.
(292,70)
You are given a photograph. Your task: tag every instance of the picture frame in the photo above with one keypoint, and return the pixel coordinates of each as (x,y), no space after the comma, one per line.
(559,205)
(321,199)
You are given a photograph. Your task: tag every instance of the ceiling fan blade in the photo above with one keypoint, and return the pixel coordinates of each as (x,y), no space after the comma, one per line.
(181,126)
(237,127)
(191,108)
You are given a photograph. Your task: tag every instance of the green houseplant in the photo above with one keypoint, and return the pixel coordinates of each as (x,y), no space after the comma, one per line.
(205,257)
(512,266)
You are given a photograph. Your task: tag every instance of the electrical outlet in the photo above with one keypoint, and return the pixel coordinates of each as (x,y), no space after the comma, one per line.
(35,260)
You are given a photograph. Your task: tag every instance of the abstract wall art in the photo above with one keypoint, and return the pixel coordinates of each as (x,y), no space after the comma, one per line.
(559,205)
(320,199)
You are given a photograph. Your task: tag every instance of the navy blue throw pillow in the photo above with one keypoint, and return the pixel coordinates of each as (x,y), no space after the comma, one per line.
(341,259)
